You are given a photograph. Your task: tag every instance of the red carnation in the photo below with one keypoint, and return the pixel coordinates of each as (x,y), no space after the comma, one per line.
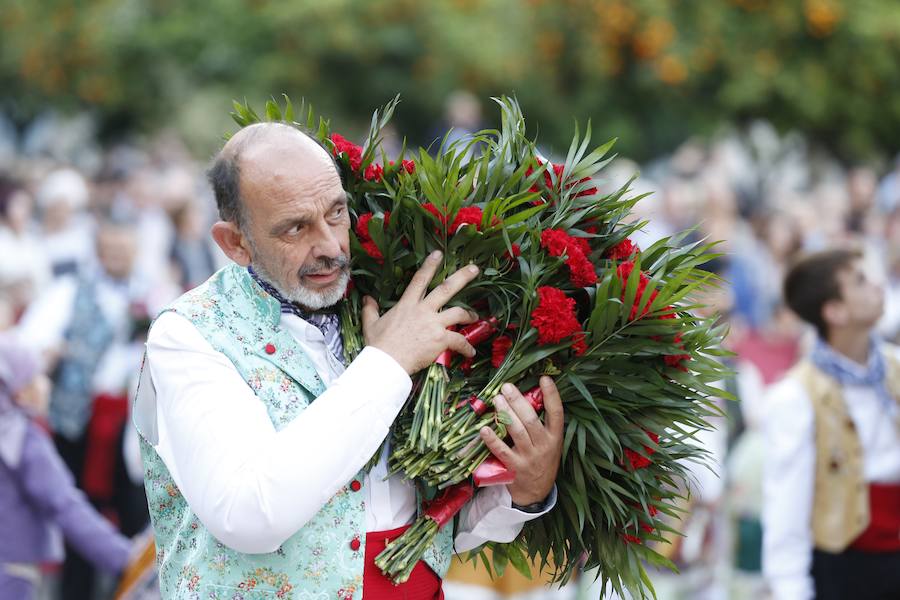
(409,165)
(622,250)
(581,271)
(353,152)
(499,348)
(639,461)
(516,252)
(677,360)
(437,213)
(362,225)
(554,316)
(631,539)
(582,244)
(373,251)
(557,242)
(374,172)
(558,170)
(468,215)
(579,343)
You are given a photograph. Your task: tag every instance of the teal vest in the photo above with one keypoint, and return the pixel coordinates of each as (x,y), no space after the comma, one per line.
(240,320)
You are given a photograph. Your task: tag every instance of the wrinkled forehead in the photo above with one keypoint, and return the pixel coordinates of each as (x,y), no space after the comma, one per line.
(281,163)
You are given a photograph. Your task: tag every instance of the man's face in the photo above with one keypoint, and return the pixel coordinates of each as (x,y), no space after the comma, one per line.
(297,223)
(116,250)
(862,299)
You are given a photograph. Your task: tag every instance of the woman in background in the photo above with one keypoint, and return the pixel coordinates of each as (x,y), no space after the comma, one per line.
(38,496)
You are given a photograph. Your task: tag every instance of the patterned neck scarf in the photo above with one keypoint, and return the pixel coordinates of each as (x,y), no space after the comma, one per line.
(873,375)
(327,320)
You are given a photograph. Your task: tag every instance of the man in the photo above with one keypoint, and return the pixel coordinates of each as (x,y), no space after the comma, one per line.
(255,435)
(831,512)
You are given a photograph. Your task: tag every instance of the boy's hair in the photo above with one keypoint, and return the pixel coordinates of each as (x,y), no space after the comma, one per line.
(811,281)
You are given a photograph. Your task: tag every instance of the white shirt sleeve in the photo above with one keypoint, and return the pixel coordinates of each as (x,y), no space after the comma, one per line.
(44,324)
(490,517)
(788,488)
(251,486)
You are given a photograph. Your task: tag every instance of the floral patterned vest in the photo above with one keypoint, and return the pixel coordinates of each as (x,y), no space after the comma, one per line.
(321,560)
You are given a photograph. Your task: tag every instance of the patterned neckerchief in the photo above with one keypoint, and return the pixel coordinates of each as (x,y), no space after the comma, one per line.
(327,321)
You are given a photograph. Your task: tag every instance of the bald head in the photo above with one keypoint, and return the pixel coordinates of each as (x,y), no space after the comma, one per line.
(256,146)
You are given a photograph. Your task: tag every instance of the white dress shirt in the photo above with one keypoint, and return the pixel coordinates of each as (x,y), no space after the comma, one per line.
(790,475)
(254,486)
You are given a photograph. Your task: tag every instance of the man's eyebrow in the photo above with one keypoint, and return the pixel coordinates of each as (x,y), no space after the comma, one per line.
(285,224)
(340,199)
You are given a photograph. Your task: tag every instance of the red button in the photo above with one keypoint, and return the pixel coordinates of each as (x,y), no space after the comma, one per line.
(270,349)
(355,485)
(354,544)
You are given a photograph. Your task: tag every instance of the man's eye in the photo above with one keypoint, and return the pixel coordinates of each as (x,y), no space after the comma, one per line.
(338,212)
(296,228)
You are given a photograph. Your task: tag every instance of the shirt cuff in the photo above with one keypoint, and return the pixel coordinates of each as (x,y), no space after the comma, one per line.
(533,511)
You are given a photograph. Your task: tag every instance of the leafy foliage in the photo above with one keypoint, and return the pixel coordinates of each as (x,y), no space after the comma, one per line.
(651,71)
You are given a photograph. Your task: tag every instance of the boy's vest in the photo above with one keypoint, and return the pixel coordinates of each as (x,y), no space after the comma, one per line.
(321,560)
(841,496)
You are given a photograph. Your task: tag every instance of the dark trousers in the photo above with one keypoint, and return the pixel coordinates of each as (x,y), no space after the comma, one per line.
(128,503)
(856,575)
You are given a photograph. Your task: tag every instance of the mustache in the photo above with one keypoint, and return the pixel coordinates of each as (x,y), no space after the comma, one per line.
(324,264)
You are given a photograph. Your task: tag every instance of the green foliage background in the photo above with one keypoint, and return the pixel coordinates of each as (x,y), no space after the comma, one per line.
(651,72)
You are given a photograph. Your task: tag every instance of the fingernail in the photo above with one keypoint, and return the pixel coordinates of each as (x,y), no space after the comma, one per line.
(545,380)
(436,255)
(484,431)
(508,388)
(473,269)
(500,402)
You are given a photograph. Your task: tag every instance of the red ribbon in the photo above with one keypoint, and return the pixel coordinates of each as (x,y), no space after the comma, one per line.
(480,331)
(535,398)
(474,334)
(444,507)
(493,472)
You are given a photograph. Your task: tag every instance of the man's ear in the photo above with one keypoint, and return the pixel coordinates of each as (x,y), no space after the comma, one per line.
(232,242)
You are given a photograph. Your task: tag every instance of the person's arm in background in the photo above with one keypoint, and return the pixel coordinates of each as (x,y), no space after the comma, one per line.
(43,326)
(788,489)
(50,487)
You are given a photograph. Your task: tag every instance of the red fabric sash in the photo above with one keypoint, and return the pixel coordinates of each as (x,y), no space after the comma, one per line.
(423,583)
(883,532)
(102,452)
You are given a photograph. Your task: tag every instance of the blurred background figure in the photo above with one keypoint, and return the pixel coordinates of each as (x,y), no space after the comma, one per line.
(38,497)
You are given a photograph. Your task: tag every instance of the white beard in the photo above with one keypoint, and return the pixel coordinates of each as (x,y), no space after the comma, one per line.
(309,299)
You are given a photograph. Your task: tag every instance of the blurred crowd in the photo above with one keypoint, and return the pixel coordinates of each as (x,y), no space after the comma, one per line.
(94,242)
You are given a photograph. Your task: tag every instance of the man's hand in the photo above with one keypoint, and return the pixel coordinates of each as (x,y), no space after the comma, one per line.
(414,332)
(537,447)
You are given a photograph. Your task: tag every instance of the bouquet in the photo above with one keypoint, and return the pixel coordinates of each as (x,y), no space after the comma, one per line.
(563,292)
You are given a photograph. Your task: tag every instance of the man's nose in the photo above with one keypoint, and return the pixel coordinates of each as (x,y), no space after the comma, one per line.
(327,244)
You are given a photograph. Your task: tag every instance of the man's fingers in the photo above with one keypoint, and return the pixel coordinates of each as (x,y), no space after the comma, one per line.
(418,285)
(457,342)
(497,447)
(457,316)
(451,286)
(553,408)
(369,312)
(520,436)
(524,412)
